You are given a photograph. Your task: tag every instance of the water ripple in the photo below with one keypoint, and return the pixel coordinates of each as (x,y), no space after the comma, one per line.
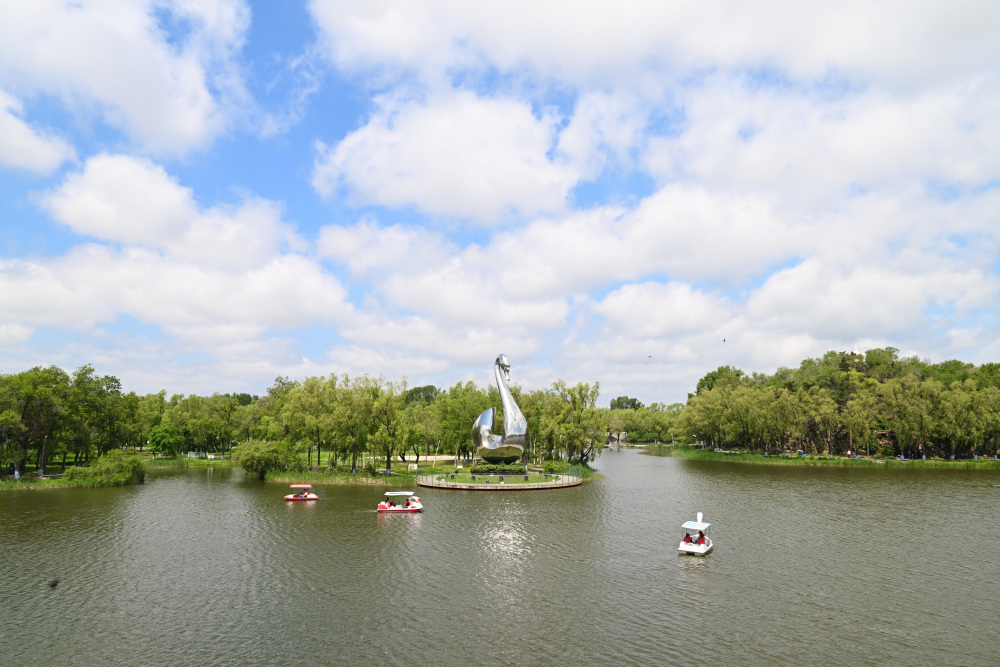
(209,568)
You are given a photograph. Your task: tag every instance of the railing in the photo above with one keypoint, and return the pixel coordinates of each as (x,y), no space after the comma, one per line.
(465,480)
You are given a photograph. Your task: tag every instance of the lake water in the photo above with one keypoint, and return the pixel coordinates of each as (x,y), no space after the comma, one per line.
(820,565)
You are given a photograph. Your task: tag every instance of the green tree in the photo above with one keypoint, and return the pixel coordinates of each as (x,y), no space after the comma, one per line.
(390,431)
(352,416)
(257,457)
(166,440)
(576,424)
(625,403)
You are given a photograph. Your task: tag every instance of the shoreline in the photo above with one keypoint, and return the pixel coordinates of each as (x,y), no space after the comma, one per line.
(755,458)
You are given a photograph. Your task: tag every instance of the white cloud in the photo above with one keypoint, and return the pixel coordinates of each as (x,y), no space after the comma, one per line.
(604,130)
(855,301)
(681,231)
(456,155)
(808,148)
(418,343)
(466,287)
(367,247)
(95,284)
(168,93)
(655,310)
(12,333)
(134,202)
(23,147)
(626,43)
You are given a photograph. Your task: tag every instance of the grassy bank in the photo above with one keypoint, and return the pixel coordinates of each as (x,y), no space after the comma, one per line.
(821,460)
(115,468)
(341,478)
(184,462)
(61,482)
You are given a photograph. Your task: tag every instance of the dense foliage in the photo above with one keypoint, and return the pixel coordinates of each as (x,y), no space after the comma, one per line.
(874,402)
(115,468)
(50,418)
(258,456)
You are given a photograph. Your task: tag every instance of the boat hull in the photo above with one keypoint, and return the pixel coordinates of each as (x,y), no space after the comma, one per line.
(414,507)
(294,497)
(694,549)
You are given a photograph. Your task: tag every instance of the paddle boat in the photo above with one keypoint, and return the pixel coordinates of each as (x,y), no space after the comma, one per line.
(695,540)
(400,501)
(303,494)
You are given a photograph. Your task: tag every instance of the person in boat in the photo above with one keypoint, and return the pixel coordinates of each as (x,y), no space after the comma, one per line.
(687,538)
(701,537)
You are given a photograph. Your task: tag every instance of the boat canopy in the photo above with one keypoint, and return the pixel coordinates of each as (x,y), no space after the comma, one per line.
(301,486)
(695,525)
(399,493)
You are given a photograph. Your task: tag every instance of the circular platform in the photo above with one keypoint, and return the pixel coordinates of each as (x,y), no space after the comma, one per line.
(466,482)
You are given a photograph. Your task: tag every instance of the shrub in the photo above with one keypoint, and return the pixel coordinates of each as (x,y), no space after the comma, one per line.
(115,468)
(555,466)
(497,469)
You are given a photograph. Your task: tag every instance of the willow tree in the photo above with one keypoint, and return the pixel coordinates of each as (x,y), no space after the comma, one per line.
(389,423)
(352,414)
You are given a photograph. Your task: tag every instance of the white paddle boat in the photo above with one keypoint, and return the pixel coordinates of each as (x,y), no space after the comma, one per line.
(695,540)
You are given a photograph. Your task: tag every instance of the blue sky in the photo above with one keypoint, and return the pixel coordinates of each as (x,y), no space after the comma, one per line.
(200,197)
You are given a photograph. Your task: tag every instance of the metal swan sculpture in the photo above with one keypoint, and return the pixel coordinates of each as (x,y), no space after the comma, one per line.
(509,447)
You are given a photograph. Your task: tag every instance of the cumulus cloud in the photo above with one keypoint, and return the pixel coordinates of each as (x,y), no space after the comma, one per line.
(458,155)
(24,147)
(856,301)
(162,72)
(810,149)
(447,284)
(368,247)
(603,193)
(900,44)
(604,131)
(133,201)
(12,333)
(92,284)
(656,310)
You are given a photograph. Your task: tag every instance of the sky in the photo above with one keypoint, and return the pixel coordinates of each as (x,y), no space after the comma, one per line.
(203,195)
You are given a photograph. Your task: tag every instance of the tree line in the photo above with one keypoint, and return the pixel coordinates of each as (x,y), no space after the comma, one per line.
(871,403)
(52,418)
(875,402)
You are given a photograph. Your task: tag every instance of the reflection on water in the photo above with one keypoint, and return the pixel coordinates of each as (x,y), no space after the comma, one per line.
(809,565)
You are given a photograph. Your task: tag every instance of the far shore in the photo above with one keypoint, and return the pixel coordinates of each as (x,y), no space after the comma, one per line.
(737,455)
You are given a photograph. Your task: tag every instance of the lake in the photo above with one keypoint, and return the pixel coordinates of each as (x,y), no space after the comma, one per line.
(817,565)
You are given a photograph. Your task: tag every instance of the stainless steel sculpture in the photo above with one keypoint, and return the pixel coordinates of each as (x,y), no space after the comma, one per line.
(509,447)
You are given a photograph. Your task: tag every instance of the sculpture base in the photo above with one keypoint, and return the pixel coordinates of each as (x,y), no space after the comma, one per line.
(500,454)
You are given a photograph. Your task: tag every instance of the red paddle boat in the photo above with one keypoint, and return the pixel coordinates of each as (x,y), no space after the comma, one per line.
(390,504)
(303,494)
